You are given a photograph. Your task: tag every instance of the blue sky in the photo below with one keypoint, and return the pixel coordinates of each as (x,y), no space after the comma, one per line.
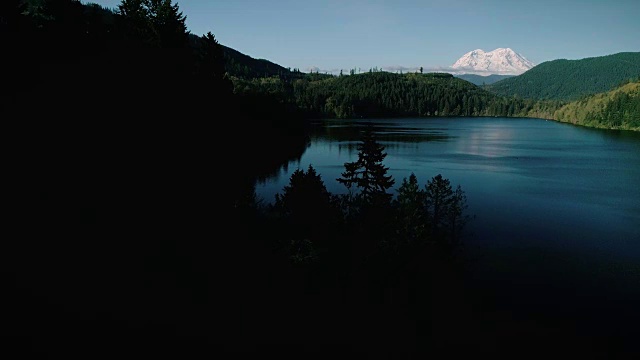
(405,34)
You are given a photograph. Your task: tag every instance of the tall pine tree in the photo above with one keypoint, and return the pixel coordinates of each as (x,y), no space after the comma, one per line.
(368,173)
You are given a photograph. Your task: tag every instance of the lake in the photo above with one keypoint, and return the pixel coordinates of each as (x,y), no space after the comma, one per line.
(556,207)
(529,182)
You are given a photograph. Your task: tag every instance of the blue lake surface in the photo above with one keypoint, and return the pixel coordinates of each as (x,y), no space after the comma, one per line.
(555,238)
(529,182)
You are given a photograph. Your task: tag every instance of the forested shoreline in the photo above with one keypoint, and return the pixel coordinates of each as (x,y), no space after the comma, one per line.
(571,80)
(137,229)
(136,235)
(100,38)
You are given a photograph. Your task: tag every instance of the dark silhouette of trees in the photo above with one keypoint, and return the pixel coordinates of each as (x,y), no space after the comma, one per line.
(416,216)
(133,22)
(210,63)
(310,214)
(153,23)
(11,16)
(167,23)
(433,215)
(375,253)
(368,173)
(153,239)
(411,216)
(368,202)
(445,209)
(119,171)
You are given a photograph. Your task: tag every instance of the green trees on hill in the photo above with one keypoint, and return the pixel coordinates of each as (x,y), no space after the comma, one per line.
(571,79)
(622,110)
(615,109)
(381,94)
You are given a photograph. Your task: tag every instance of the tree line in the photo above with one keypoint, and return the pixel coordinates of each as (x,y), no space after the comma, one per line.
(120,118)
(137,220)
(615,109)
(382,94)
(570,80)
(363,268)
(411,219)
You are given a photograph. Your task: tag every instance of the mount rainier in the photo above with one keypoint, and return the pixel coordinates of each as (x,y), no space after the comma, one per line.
(501,61)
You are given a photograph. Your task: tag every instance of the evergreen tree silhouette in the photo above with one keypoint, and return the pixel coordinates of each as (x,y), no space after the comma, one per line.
(368,209)
(368,173)
(411,216)
(445,209)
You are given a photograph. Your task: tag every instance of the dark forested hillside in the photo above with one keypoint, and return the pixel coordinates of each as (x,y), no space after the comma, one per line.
(482,80)
(241,65)
(244,66)
(571,79)
(380,94)
(117,115)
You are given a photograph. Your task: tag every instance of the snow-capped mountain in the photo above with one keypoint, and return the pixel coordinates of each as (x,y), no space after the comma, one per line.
(501,61)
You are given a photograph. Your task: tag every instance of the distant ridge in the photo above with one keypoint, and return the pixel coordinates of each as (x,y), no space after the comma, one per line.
(571,79)
(482,80)
(241,65)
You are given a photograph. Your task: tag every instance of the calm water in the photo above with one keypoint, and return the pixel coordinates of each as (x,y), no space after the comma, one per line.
(556,206)
(529,182)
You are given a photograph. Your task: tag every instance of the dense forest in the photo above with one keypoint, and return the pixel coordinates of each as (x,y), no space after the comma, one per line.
(134,234)
(481,80)
(375,94)
(136,228)
(122,202)
(569,80)
(378,94)
(615,109)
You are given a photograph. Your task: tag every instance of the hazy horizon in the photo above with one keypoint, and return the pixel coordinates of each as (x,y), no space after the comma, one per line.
(404,35)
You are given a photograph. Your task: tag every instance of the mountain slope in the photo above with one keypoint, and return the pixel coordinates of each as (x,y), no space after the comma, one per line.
(241,65)
(482,80)
(615,109)
(384,94)
(571,79)
(502,61)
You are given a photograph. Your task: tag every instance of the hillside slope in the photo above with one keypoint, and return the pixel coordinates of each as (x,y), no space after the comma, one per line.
(241,65)
(481,80)
(571,79)
(383,94)
(615,109)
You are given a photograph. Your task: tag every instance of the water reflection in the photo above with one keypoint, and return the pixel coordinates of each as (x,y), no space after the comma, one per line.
(528,181)
(556,206)
(387,132)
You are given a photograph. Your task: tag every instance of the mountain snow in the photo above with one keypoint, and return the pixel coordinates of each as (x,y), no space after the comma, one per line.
(501,61)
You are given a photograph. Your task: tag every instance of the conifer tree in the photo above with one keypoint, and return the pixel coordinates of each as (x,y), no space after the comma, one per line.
(411,216)
(368,173)
(167,23)
(445,208)
(155,23)
(134,21)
